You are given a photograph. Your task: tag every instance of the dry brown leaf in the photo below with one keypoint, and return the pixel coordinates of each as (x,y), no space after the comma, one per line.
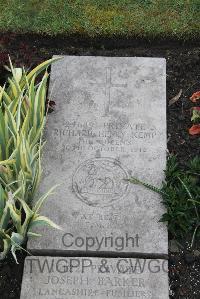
(176,98)
(27,101)
(3,169)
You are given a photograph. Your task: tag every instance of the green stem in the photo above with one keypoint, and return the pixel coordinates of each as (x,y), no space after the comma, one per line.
(194,234)
(190,195)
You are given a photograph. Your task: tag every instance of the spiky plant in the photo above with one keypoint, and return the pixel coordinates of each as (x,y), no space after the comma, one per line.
(22,120)
(181,196)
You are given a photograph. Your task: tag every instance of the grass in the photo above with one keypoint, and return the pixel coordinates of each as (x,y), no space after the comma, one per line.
(139,18)
(181,196)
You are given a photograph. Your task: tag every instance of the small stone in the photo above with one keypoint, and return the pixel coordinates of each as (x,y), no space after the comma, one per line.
(196,253)
(173,246)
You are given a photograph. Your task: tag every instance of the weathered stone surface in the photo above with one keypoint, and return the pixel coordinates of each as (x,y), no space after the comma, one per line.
(109,124)
(78,278)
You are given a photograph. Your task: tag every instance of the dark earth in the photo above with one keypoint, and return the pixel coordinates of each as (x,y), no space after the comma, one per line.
(183,72)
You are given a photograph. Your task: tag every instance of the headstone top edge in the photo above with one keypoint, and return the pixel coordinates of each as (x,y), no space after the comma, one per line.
(111,57)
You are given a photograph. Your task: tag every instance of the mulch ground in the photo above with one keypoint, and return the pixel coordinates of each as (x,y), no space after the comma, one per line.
(183,65)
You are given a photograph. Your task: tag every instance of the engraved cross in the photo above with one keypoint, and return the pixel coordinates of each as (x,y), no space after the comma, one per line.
(108,85)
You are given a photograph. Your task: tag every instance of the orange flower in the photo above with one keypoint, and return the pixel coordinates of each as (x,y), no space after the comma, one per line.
(195,130)
(195,97)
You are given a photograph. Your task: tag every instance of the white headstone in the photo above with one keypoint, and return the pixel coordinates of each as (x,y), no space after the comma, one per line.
(109,124)
(82,278)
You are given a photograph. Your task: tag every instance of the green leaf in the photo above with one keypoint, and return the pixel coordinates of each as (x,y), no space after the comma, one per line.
(16,241)
(2,200)
(15,77)
(42,199)
(6,248)
(33,235)
(7,162)
(5,218)
(42,67)
(42,220)
(15,215)
(11,121)
(22,120)
(18,73)
(6,97)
